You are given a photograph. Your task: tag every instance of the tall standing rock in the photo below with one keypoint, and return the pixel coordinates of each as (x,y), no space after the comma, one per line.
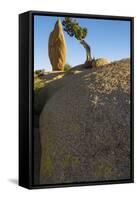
(57,48)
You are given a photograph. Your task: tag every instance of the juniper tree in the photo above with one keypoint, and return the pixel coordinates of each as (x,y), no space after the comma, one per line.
(72,27)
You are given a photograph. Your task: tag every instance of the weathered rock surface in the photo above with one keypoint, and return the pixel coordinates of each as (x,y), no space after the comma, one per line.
(101,62)
(51,80)
(85,127)
(57,47)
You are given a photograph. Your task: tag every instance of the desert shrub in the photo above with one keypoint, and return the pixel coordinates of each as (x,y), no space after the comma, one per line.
(67,67)
(39,72)
(38,83)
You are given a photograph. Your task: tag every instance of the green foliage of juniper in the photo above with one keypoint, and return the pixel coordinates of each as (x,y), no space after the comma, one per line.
(72,27)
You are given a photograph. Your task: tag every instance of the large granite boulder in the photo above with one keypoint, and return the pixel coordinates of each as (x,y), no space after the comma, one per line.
(57,47)
(85,127)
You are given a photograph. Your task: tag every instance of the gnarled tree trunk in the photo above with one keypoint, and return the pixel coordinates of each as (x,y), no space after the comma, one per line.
(88,50)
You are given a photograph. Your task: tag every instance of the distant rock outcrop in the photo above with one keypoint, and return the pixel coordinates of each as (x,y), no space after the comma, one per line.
(57,47)
(85,126)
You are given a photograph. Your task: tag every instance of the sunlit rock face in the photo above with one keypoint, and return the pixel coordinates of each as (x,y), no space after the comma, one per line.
(57,48)
(85,126)
(101,62)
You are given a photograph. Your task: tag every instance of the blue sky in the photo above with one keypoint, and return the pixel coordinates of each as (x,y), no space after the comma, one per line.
(107,38)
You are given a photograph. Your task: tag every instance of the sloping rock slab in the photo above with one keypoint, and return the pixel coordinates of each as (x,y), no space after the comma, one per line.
(85,128)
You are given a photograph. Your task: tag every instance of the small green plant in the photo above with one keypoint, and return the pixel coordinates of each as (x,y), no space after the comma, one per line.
(39,72)
(48,166)
(67,67)
(38,83)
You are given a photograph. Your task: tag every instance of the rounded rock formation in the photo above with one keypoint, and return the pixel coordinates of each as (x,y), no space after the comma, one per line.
(57,48)
(85,127)
(101,62)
